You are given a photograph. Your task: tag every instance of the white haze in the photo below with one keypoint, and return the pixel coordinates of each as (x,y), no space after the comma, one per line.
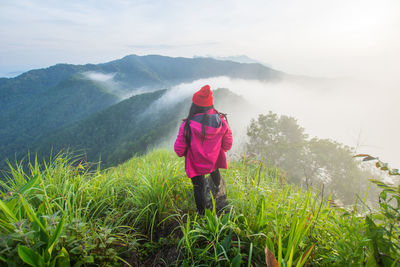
(107,80)
(362,115)
(99,77)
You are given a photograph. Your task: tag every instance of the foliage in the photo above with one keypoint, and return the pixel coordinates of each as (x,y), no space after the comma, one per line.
(210,240)
(71,100)
(117,133)
(295,226)
(114,134)
(280,139)
(28,233)
(307,161)
(143,213)
(384,228)
(39,102)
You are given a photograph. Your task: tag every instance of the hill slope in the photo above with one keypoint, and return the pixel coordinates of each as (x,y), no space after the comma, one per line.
(39,102)
(142,212)
(71,100)
(133,71)
(132,126)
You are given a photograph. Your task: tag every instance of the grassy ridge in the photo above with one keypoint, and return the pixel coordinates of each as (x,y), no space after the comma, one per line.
(143,212)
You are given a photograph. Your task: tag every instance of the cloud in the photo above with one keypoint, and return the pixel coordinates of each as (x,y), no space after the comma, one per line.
(173,96)
(108,82)
(170,46)
(310,37)
(99,77)
(351,112)
(115,87)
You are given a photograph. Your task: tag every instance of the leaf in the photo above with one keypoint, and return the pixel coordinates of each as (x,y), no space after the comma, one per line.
(279,248)
(250,255)
(270,259)
(368,158)
(7,211)
(371,262)
(226,243)
(31,215)
(88,259)
(361,156)
(55,235)
(383,166)
(62,259)
(305,256)
(236,261)
(44,237)
(291,257)
(30,257)
(225,219)
(31,183)
(3,259)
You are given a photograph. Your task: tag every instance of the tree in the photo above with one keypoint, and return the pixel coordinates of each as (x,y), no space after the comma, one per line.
(332,164)
(281,140)
(311,162)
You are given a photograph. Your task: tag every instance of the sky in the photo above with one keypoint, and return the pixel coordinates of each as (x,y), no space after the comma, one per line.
(308,37)
(357,39)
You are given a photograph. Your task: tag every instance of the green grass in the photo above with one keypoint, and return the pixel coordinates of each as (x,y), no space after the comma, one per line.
(143,212)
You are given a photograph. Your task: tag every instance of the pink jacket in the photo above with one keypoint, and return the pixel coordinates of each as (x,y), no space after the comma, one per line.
(204,157)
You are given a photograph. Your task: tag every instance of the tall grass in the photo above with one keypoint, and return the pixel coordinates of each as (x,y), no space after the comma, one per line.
(64,213)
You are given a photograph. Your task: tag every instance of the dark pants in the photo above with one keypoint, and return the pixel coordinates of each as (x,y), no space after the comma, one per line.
(198,188)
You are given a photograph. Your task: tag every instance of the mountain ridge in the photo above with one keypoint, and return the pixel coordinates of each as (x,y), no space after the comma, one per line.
(39,102)
(127,128)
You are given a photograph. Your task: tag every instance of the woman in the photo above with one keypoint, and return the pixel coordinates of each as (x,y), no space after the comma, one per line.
(203,139)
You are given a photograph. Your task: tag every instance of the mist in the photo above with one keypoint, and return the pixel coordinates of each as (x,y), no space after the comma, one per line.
(121,90)
(360,114)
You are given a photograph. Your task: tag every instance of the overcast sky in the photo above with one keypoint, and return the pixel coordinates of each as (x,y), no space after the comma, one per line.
(309,37)
(329,38)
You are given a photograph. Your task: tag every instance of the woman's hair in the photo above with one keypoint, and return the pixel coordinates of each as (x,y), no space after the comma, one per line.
(195,109)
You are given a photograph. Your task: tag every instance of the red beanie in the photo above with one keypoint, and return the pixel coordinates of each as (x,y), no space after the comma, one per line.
(203,97)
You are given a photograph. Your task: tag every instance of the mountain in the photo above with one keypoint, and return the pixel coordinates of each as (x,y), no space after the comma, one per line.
(134,71)
(69,101)
(40,102)
(241,59)
(130,127)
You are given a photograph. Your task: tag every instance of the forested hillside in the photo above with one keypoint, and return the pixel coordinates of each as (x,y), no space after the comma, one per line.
(63,211)
(127,128)
(116,133)
(69,101)
(41,102)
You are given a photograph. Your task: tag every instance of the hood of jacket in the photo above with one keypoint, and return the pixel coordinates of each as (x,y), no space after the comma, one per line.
(212,123)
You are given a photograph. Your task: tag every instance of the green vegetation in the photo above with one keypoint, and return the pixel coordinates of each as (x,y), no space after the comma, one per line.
(71,100)
(384,229)
(40,102)
(64,211)
(117,133)
(142,211)
(309,162)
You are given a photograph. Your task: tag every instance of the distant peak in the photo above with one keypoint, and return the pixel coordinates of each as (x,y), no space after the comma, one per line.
(238,58)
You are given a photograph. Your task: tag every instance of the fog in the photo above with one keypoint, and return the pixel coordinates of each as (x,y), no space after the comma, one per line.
(117,88)
(360,114)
